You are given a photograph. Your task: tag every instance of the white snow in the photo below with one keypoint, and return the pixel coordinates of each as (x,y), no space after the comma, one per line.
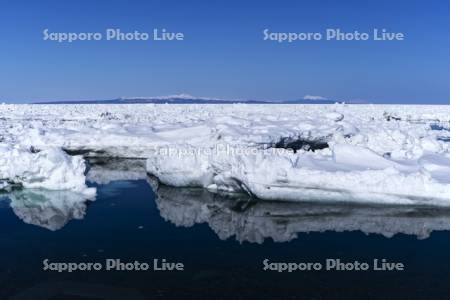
(312,97)
(350,173)
(372,153)
(50,169)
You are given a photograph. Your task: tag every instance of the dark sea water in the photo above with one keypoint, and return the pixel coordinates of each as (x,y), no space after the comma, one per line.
(222,242)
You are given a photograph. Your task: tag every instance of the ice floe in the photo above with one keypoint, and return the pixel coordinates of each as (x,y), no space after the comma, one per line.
(345,173)
(363,153)
(50,169)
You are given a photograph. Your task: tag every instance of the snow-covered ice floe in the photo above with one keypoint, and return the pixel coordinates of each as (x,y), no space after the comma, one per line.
(50,168)
(363,153)
(347,173)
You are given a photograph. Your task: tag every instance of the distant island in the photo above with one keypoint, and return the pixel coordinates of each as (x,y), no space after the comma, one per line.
(188,99)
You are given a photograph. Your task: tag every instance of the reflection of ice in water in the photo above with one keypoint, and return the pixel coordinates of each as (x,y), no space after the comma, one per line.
(232,215)
(235,215)
(54,209)
(282,221)
(46,208)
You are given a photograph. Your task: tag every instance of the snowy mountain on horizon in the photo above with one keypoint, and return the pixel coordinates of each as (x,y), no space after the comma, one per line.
(189,99)
(182,96)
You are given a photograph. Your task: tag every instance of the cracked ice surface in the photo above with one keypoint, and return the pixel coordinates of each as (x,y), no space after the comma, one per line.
(375,153)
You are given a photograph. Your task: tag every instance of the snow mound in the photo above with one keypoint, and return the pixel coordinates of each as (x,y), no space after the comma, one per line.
(49,169)
(348,173)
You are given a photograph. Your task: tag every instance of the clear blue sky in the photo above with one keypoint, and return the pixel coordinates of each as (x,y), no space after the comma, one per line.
(223,54)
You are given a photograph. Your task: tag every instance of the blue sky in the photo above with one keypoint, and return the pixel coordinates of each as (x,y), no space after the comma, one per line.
(224,54)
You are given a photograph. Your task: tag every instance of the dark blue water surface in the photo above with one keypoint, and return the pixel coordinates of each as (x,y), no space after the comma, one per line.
(222,242)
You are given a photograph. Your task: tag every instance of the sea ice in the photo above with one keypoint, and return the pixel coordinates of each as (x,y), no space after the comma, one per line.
(364,153)
(48,169)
